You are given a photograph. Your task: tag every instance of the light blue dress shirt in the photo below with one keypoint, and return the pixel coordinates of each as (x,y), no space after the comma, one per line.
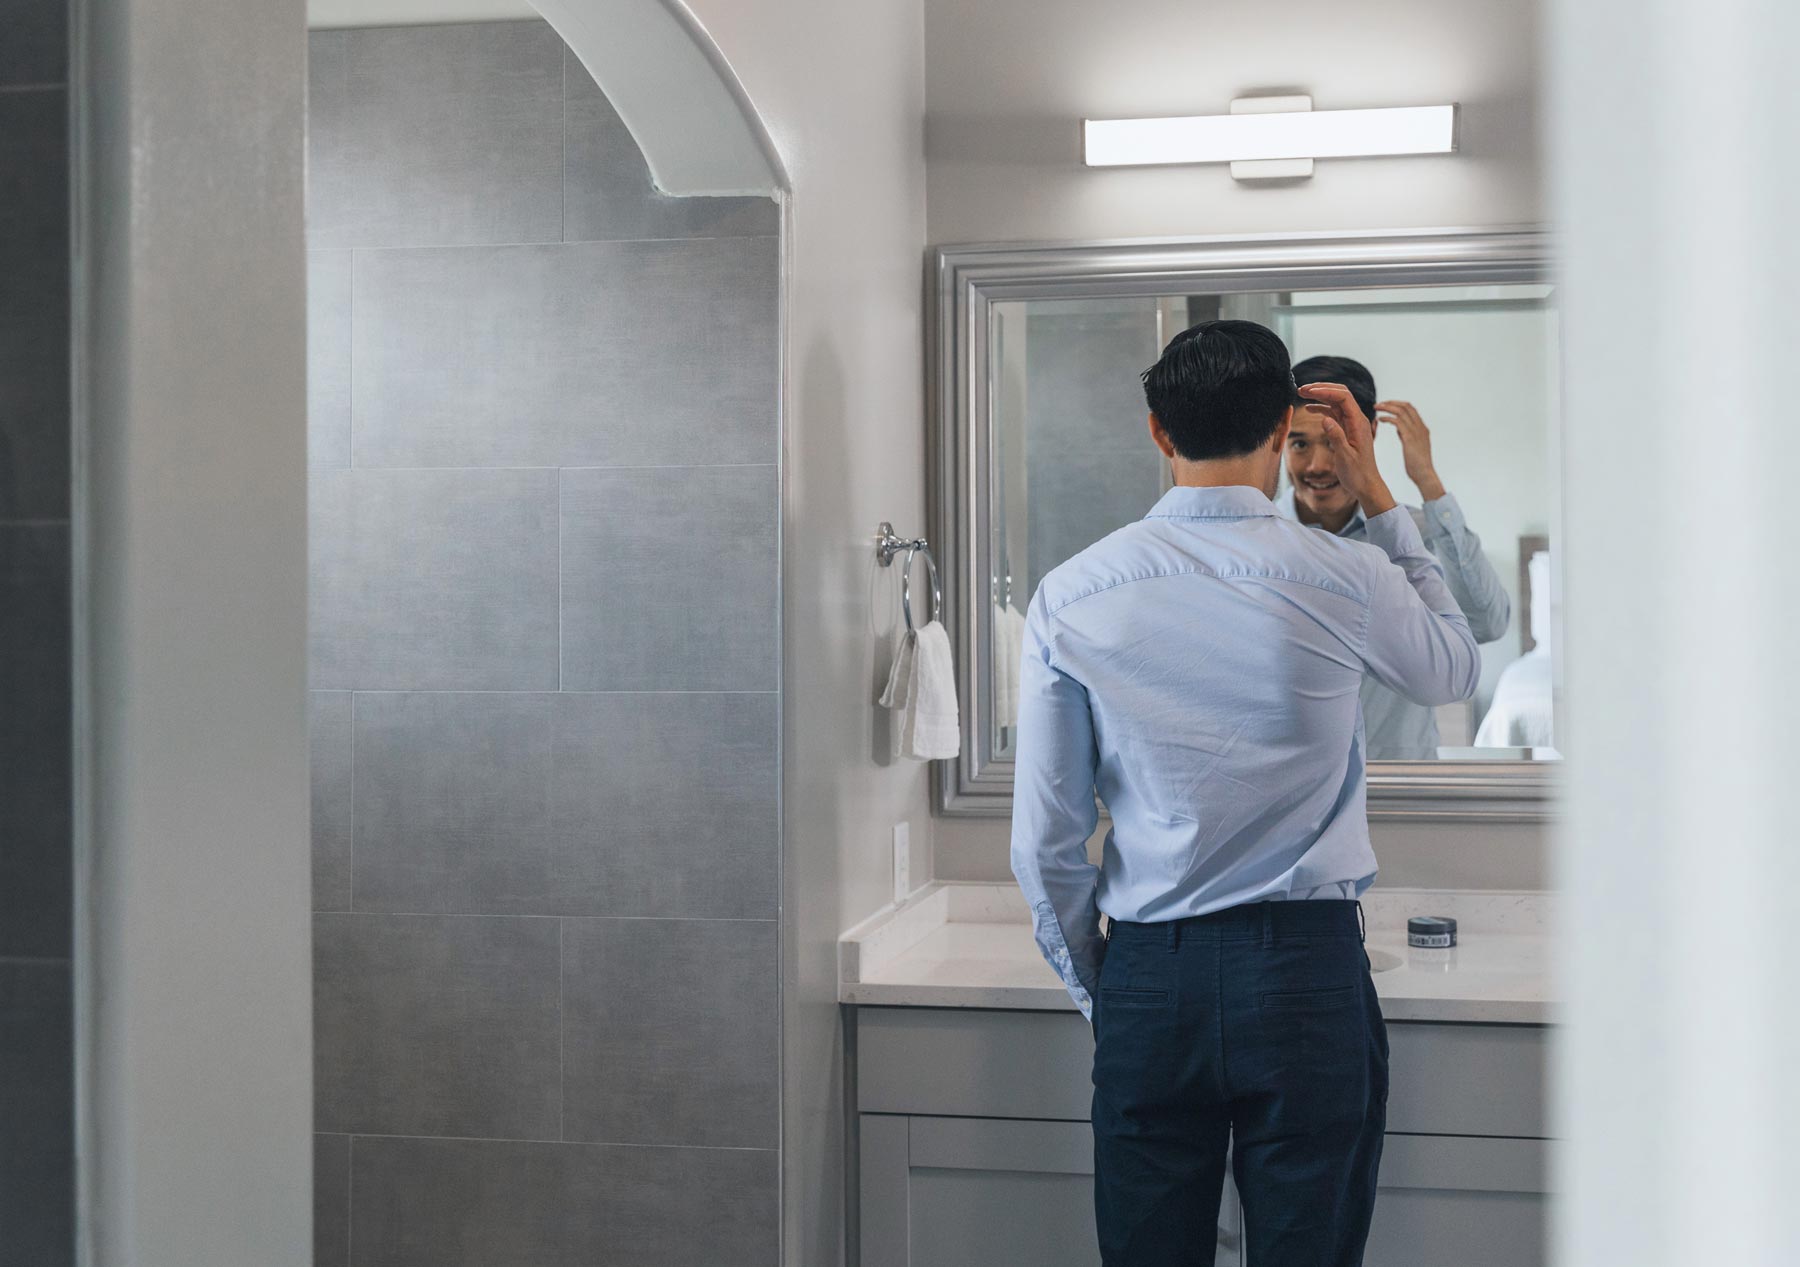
(1199,670)
(1396,728)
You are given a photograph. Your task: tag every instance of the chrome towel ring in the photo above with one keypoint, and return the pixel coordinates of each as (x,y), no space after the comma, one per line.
(887,545)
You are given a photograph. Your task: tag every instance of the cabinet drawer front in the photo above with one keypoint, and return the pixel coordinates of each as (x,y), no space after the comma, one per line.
(1465,1201)
(966,1063)
(1446,1162)
(1446,1079)
(973,1143)
(1467,1079)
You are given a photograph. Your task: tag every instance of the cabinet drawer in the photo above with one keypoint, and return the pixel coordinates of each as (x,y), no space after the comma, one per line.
(1446,1079)
(964,1063)
(1467,1201)
(1467,1079)
(985,1192)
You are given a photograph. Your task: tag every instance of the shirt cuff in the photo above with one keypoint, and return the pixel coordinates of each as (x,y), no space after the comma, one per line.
(1395,532)
(1056,951)
(1445,515)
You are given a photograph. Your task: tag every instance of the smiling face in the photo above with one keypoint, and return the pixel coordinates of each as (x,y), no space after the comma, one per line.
(1311,470)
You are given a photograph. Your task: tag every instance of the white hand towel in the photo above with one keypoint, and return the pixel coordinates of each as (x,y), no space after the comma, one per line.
(1009,642)
(921,694)
(936,732)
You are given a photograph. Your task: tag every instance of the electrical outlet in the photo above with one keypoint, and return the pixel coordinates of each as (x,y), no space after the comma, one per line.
(902,862)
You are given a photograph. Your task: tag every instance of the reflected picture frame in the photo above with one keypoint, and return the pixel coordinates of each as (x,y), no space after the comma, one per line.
(967,280)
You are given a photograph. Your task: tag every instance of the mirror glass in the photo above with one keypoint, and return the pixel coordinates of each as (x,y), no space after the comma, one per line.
(1072,460)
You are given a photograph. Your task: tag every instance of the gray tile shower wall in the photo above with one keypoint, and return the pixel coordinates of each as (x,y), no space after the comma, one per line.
(671,1032)
(437,1025)
(623,803)
(328,358)
(464,1203)
(669,579)
(1087,465)
(37,1155)
(433,580)
(328,728)
(331,1201)
(34,304)
(579,354)
(424,135)
(35,785)
(544,442)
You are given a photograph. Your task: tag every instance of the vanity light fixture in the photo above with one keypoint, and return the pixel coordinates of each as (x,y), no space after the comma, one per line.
(1271,137)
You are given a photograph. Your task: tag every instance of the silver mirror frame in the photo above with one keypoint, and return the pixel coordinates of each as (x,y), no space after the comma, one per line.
(968,280)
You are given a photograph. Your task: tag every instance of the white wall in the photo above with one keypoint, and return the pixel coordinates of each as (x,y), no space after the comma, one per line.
(193,935)
(1009,80)
(841,88)
(1678,1093)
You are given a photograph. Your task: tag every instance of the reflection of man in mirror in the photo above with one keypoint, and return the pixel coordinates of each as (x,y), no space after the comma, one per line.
(1397,728)
(1197,673)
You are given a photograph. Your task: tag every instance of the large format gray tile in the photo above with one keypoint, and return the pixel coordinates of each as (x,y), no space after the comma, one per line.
(610,194)
(459,1203)
(630,804)
(666,804)
(433,580)
(437,134)
(671,1032)
(328,721)
(37,1116)
(331,1201)
(36,47)
(584,354)
(328,358)
(453,803)
(328,186)
(436,1025)
(36,871)
(1082,379)
(34,304)
(669,579)
(1078,498)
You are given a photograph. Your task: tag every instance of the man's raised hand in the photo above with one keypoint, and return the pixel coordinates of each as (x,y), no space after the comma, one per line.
(1352,441)
(1415,445)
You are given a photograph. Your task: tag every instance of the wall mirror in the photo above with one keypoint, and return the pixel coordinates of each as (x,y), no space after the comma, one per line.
(1040,448)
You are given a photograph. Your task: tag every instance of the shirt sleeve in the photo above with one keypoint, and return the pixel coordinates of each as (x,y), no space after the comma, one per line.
(1472,579)
(1417,641)
(1054,812)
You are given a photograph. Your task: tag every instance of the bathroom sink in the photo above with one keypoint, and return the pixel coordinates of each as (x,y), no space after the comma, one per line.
(1382,960)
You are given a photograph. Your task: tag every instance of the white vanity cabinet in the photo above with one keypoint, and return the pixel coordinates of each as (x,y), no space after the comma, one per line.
(973,1147)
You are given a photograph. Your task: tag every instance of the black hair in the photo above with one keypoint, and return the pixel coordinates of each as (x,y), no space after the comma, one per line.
(1345,373)
(1220,388)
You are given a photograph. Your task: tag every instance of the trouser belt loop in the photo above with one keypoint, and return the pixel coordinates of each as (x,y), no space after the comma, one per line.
(1174,935)
(1362,923)
(1268,914)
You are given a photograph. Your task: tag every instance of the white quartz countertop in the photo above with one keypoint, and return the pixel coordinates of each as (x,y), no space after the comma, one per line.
(958,944)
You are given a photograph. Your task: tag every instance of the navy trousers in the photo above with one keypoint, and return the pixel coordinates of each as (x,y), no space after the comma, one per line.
(1257,1030)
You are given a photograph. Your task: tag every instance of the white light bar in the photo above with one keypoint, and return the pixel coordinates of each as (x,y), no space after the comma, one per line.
(1226,138)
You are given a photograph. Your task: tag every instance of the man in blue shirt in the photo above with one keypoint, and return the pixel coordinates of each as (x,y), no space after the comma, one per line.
(1198,672)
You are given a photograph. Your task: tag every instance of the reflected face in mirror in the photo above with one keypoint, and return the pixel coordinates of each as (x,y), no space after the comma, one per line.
(1317,494)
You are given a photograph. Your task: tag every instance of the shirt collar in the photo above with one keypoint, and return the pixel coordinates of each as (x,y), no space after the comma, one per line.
(1284,506)
(1234,501)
